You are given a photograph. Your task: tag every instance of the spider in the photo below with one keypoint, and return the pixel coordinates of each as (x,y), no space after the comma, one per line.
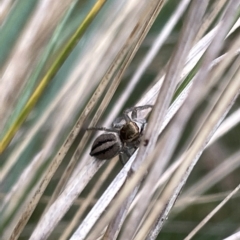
(123,138)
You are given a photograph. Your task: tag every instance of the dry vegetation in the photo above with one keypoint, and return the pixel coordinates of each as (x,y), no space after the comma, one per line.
(69,65)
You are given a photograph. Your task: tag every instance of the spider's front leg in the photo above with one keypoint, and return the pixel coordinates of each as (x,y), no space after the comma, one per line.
(103,129)
(119,122)
(140,108)
(134,111)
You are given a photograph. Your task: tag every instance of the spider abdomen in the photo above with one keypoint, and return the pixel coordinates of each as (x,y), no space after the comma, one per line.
(105,146)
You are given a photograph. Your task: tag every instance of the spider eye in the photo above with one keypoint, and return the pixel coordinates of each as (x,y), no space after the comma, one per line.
(106,146)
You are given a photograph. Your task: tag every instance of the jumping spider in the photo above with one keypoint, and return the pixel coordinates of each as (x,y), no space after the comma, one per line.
(123,138)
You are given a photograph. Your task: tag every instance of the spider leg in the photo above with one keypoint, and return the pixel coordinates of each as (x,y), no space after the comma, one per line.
(125,151)
(121,158)
(103,129)
(139,108)
(134,111)
(119,122)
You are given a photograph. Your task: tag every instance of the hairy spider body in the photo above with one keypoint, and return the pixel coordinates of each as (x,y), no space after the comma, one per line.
(123,138)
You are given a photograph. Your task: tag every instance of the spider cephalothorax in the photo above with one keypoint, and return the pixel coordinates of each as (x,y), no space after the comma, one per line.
(123,137)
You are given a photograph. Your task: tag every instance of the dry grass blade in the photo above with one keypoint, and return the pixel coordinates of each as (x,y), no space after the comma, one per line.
(208,20)
(115,225)
(226,126)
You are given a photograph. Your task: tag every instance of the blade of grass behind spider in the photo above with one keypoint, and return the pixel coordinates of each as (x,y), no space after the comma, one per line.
(210,179)
(50,74)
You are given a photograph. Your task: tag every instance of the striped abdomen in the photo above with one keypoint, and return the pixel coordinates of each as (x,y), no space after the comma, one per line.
(106,146)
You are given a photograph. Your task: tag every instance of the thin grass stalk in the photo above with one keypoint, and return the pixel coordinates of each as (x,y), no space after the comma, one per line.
(216,175)
(209,18)
(14,194)
(228,124)
(208,198)
(115,225)
(211,214)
